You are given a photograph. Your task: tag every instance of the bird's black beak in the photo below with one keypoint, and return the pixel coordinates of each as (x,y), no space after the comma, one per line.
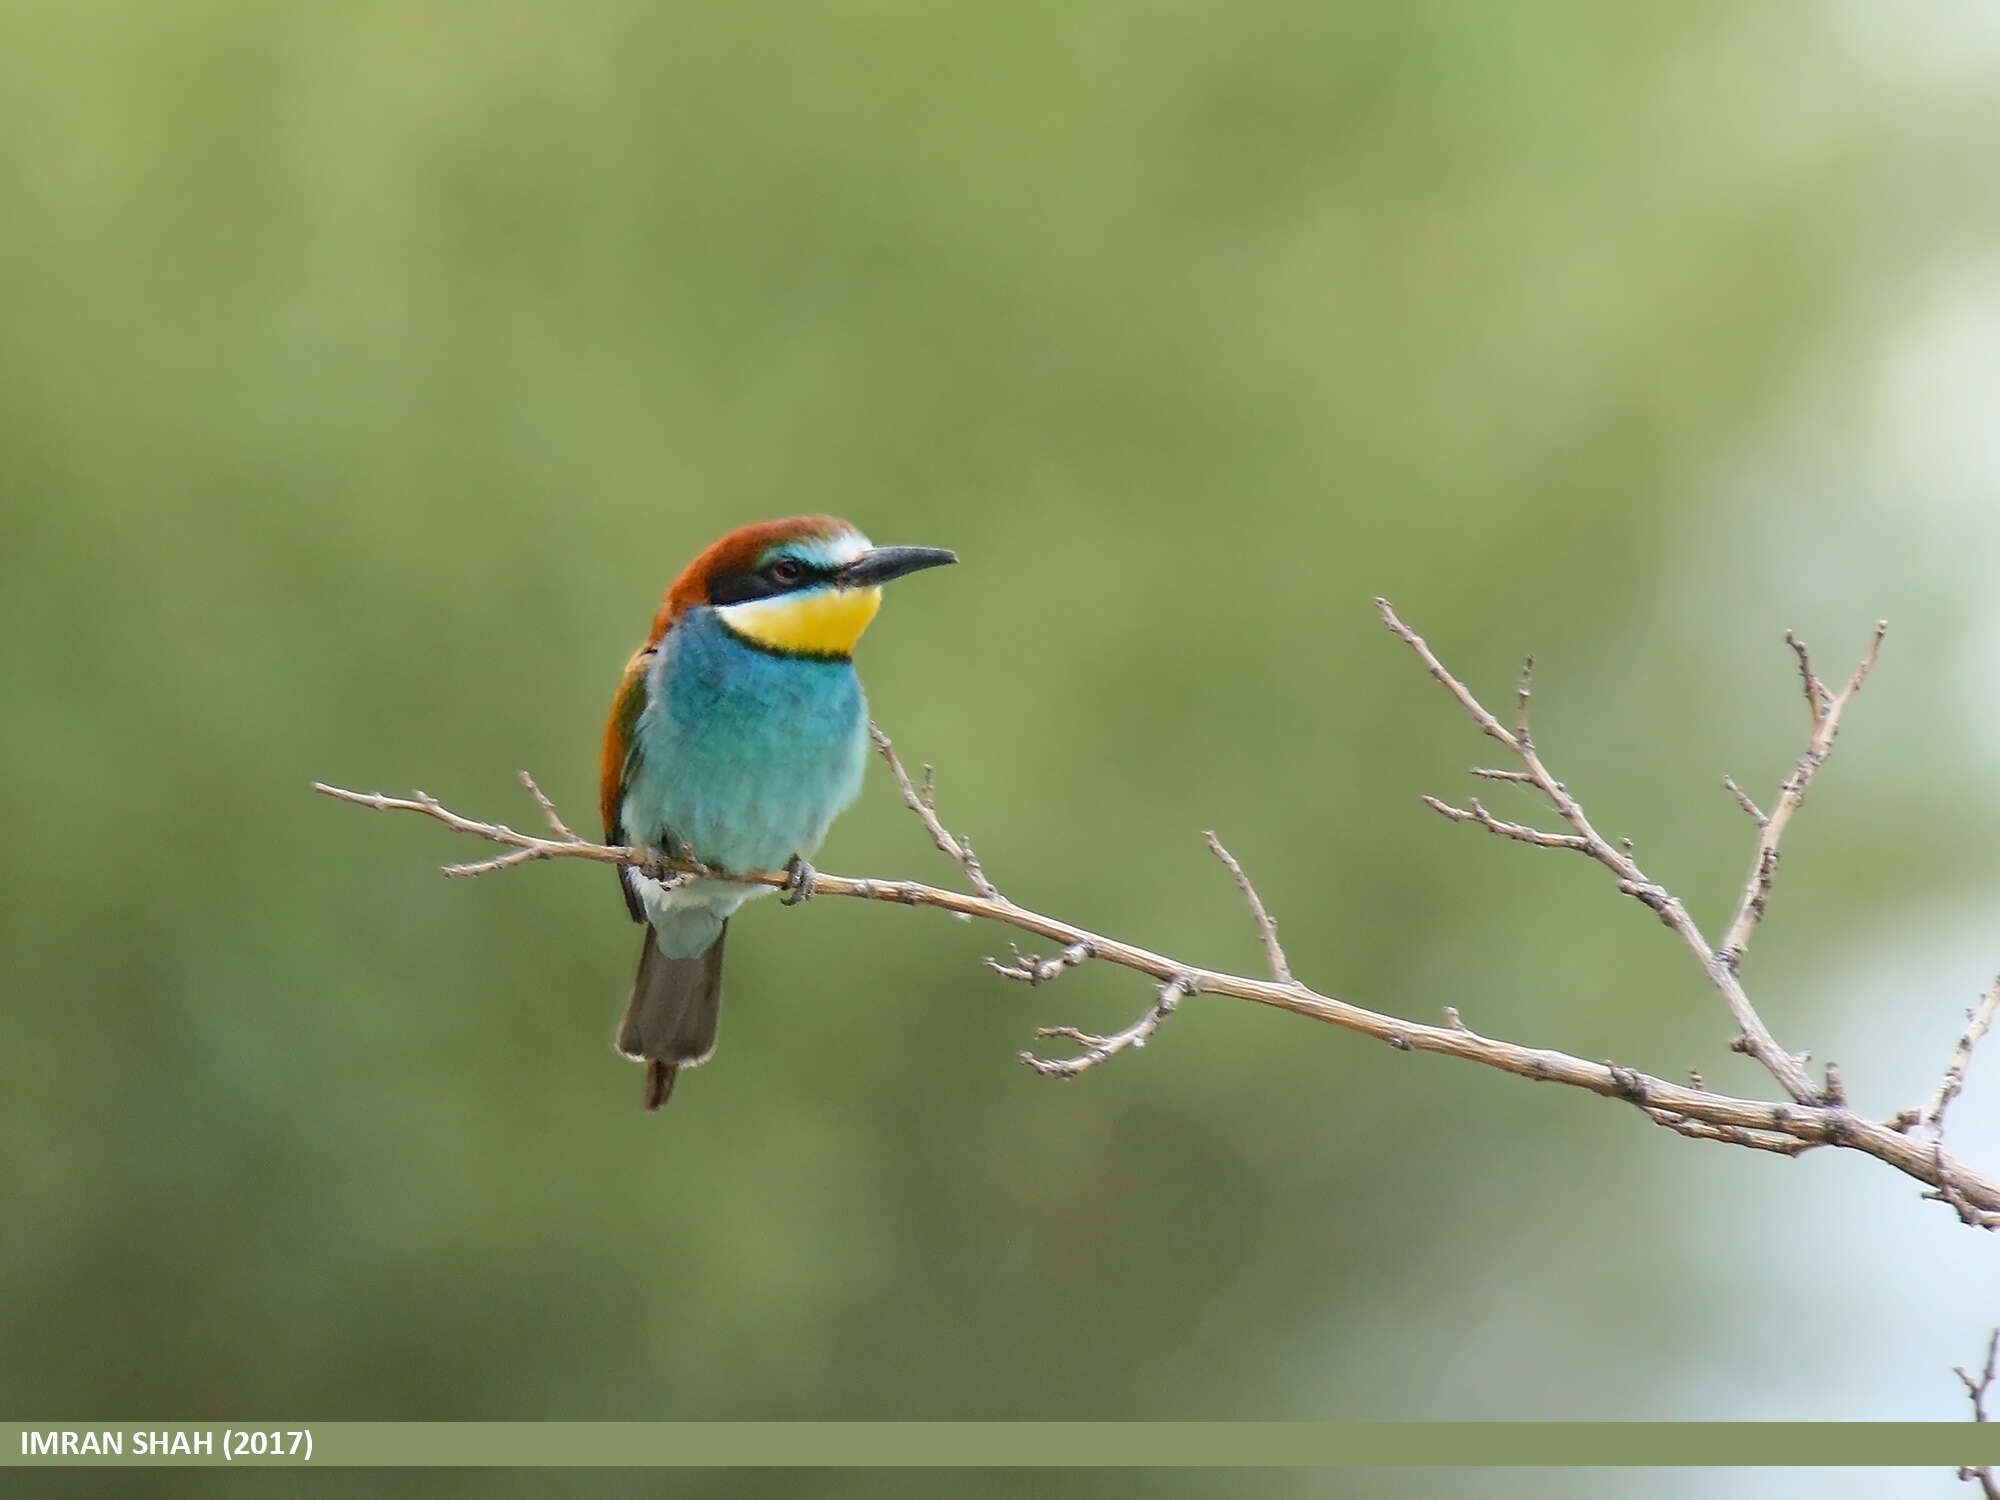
(883,563)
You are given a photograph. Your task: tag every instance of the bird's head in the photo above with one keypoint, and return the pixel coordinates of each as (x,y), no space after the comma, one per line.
(806,586)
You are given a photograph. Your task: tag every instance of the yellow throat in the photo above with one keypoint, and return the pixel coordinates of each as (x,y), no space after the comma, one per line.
(819,622)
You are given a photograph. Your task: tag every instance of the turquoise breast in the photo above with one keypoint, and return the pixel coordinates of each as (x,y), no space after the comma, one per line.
(744,757)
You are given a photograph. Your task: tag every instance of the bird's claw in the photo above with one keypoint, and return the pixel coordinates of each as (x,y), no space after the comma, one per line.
(671,868)
(801,880)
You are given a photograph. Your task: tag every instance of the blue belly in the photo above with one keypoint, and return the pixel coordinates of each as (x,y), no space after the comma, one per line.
(745,758)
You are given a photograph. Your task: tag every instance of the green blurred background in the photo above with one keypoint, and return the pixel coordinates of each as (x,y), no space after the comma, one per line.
(366,373)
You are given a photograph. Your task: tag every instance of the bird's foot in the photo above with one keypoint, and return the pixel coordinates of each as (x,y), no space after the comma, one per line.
(671,869)
(801,880)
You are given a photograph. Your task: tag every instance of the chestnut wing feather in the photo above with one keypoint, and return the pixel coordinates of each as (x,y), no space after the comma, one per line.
(615,765)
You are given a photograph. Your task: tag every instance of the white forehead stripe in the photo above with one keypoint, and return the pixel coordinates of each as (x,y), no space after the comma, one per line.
(845,548)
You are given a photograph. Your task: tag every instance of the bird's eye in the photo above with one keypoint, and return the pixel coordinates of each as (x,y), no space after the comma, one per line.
(787,571)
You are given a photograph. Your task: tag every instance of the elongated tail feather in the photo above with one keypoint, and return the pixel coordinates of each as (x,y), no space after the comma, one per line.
(671,1021)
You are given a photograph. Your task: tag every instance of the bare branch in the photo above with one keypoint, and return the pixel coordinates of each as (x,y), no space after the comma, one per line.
(1030,968)
(1868,659)
(497,862)
(1756,1038)
(1732,1135)
(498,833)
(530,848)
(1816,1124)
(1523,690)
(1104,1048)
(919,802)
(1817,697)
(1975,1391)
(1977,1020)
(1487,773)
(1520,831)
(562,829)
(1267,930)
(1826,708)
(521,856)
(1949,1193)
(1743,801)
(1486,722)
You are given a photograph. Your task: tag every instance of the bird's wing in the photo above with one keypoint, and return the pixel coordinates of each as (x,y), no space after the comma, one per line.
(616,763)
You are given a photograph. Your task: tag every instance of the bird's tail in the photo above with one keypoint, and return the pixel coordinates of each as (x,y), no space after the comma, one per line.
(670,1023)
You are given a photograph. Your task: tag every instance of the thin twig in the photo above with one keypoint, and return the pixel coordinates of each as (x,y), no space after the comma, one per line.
(1975,1391)
(1523,690)
(1267,929)
(497,862)
(498,833)
(1977,1020)
(1817,696)
(1100,1049)
(1520,831)
(1031,968)
(1755,813)
(919,802)
(562,829)
(1733,1135)
(1826,708)
(1949,1193)
(1755,1038)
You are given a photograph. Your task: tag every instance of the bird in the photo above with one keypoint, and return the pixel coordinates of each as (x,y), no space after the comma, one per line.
(738,733)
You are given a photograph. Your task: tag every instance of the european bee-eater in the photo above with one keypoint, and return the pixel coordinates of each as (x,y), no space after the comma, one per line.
(738,734)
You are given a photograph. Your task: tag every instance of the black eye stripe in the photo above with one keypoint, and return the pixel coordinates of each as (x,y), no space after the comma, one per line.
(765,582)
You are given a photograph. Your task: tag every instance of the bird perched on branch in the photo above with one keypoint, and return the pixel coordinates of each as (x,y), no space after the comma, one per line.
(738,734)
